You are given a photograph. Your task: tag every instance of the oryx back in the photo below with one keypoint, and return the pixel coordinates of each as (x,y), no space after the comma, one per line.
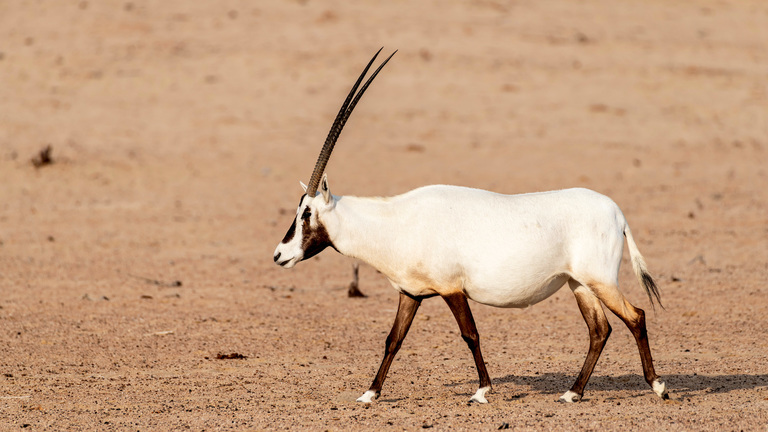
(501,250)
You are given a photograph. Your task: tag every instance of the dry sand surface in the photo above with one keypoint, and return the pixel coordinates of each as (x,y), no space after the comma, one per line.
(179,131)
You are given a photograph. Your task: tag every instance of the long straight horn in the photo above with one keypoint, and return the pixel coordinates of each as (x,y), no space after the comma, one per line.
(341,120)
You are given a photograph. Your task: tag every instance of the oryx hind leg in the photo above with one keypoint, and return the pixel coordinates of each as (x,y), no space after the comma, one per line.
(634,318)
(599,330)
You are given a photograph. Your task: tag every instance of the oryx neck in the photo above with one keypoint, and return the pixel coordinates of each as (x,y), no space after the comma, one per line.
(359,225)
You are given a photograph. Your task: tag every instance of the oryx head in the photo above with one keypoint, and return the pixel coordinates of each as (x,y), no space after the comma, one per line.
(307,235)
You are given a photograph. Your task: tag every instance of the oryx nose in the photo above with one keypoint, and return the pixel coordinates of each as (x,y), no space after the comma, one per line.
(277,256)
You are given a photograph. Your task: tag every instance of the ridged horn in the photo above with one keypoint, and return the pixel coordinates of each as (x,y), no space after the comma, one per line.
(341,120)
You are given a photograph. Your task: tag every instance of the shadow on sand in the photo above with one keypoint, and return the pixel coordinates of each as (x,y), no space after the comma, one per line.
(678,385)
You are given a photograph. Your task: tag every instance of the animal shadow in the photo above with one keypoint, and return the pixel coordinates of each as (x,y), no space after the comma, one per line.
(679,385)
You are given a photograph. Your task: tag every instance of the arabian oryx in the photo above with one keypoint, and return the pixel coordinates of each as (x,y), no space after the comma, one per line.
(460,243)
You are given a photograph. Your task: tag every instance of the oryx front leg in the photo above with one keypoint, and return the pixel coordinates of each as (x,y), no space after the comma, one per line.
(406,310)
(460,308)
(599,330)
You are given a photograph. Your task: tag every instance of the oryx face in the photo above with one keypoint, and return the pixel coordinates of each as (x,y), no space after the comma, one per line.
(308,236)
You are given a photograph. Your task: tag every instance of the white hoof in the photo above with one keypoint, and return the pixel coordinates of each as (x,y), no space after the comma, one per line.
(570,397)
(479,396)
(368,397)
(660,388)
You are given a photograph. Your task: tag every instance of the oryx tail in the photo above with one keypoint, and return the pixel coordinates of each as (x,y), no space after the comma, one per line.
(641,270)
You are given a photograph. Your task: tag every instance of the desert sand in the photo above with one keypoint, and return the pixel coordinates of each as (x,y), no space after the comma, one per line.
(179,132)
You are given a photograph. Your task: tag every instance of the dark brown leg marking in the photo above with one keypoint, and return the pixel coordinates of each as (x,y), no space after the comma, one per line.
(460,308)
(406,310)
(599,330)
(634,318)
(637,327)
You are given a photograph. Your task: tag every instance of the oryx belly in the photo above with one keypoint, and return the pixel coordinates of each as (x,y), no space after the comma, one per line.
(493,271)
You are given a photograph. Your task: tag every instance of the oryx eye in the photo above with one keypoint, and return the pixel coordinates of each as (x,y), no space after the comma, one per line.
(307,213)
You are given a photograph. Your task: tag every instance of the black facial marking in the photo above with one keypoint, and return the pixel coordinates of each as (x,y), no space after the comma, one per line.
(315,240)
(291,232)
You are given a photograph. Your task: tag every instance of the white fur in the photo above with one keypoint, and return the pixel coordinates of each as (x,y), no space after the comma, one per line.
(570,397)
(501,250)
(479,396)
(368,397)
(660,388)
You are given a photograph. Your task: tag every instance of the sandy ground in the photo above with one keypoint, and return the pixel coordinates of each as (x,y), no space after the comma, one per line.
(179,132)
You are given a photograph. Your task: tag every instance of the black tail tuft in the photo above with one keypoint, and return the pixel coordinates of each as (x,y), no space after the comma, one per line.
(650,288)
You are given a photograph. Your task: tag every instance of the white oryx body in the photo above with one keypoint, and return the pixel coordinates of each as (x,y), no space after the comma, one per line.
(499,250)
(460,243)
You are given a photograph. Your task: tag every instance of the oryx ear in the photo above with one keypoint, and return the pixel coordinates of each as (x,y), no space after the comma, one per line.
(324,189)
(303,186)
